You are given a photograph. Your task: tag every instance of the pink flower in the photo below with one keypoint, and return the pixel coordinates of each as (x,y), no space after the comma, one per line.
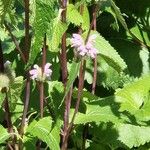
(36,73)
(47,71)
(82,48)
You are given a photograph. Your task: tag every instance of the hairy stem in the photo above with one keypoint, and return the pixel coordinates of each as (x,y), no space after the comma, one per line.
(93,25)
(6,103)
(26,53)
(41,83)
(63,62)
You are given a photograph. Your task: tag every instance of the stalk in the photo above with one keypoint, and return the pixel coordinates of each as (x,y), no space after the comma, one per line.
(63,63)
(6,103)
(26,53)
(93,25)
(41,83)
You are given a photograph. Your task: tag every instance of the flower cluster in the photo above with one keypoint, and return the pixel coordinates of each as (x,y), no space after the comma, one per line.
(36,73)
(82,48)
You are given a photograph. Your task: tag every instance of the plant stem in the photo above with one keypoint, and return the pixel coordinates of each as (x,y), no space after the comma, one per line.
(26,53)
(4,90)
(93,25)
(63,62)
(16,43)
(41,83)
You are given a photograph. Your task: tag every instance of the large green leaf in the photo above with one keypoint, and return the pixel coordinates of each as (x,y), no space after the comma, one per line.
(133,96)
(132,135)
(44,14)
(4,135)
(43,130)
(102,110)
(108,52)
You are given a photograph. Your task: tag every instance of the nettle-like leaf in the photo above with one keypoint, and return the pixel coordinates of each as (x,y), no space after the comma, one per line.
(101,110)
(106,51)
(59,29)
(118,14)
(15,92)
(73,15)
(5,8)
(86,19)
(106,74)
(132,135)
(43,130)
(132,96)
(44,14)
(4,135)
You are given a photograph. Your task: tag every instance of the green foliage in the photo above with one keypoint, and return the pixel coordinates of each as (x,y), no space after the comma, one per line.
(5,8)
(44,131)
(44,14)
(73,16)
(58,30)
(4,135)
(109,53)
(132,135)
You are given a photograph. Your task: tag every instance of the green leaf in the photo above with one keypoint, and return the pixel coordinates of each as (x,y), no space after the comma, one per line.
(102,110)
(86,19)
(133,95)
(4,135)
(5,8)
(108,53)
(44,14)
(71,78)
(118,14)
(133,136)
(73,15)
(43,130)
(59,29)
(15,92)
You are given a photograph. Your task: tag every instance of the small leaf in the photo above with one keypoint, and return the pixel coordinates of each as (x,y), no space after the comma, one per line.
(59,29)
(118,14)
(86,19)
(73,15)
(71,78)
(4,135)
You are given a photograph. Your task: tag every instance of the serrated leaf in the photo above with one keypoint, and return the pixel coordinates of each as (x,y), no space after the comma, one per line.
(118,14)
(86,19)
(42,130)
(132,135)
(132,96)
(71,78)
(15,91)
(108,52)
(99,111)
(59,29)
(73,15)
(4,135)
(44,13)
